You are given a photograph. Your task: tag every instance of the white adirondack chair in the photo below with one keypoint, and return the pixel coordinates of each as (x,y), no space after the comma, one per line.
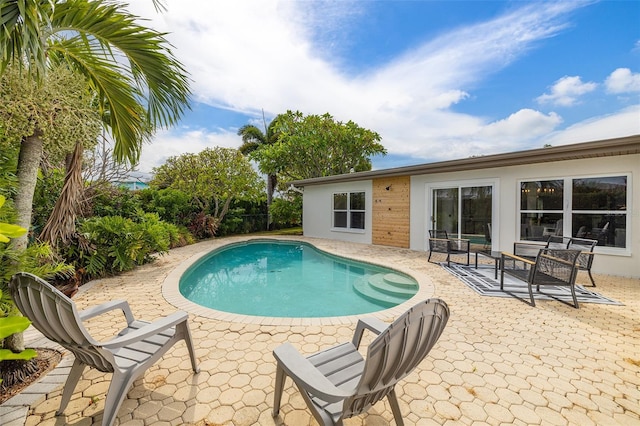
(128,355)
(339,383)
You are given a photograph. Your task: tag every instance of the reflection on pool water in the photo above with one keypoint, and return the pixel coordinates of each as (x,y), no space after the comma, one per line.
(291,279)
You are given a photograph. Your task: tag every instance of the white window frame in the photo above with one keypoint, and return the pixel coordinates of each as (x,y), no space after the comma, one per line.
(568,211)
(348,211)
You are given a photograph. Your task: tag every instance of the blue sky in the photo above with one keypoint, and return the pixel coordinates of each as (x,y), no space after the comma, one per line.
(438,80)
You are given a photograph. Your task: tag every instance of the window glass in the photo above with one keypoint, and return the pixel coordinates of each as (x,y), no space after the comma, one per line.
(600,193)
(610,230)
(340,201)
(541,195)
(540,226)
(340,219)
(357,220)
(357,200)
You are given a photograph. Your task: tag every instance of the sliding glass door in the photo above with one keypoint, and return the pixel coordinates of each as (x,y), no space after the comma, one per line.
(464,212)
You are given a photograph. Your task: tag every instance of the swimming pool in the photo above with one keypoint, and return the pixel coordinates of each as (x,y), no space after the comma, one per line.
(274,278)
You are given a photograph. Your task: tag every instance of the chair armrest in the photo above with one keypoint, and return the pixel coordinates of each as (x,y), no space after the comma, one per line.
(148,330)
(94,311)
(373,324)
(521,259)
(305,375)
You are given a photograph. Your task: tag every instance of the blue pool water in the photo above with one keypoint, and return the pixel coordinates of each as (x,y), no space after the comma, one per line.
(291,279)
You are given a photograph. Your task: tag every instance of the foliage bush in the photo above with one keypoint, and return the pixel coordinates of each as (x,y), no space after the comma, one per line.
(112,244)
(286,213)
(47,191)
(171,205)
(244,217)
(108,200)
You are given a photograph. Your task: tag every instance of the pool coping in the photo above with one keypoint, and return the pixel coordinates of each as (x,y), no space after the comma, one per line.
(172,294)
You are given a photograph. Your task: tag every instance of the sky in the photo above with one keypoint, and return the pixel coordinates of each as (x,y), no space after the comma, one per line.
(437,80)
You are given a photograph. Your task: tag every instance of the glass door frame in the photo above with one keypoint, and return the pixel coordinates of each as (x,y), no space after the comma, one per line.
(459,184)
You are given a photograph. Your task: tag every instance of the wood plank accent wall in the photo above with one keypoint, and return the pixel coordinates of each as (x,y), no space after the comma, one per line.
(391,211)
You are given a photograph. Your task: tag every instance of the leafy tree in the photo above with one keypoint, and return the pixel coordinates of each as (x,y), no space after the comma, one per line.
(253,139)
(213,178)
(317,145)
(171,205)
(136,82)
(59,103)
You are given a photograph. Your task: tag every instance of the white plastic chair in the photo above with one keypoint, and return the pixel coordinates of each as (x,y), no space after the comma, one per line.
(128,355)
(339,383)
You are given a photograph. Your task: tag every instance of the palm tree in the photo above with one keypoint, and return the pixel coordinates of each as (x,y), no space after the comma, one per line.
(253,139)
(130,68)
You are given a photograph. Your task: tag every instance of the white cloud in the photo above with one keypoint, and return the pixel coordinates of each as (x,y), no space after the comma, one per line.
(566,91)
(623,80)
(625,122)
(170,143)
(275,55)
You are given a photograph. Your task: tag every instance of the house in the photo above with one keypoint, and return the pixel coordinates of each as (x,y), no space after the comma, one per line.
(134,181)
(590,190)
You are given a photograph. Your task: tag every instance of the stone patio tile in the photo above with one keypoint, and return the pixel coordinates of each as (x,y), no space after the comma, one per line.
(499,361)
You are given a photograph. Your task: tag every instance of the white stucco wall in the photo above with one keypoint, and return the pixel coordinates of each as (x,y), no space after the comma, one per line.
(317,207)
(318,211)
(505,216)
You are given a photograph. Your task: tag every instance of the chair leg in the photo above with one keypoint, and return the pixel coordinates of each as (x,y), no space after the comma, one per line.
(575,299)
(189,342)
(395,408)
(277,395)
(593,283)
(120,384)
(533,302)
(74,376)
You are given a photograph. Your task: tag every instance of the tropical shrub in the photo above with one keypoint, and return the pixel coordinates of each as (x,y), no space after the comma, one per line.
(244,217)
(286,213)
(37,259)
(48,188)
(171,205)
(108,200)
(112,244)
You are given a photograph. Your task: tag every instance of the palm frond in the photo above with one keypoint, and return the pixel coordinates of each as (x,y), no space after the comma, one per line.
(21,26)
(150,61)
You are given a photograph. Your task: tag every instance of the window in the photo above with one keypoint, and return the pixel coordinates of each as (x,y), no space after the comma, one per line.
(541,209)
(600,210)
(348,210)
(594,208)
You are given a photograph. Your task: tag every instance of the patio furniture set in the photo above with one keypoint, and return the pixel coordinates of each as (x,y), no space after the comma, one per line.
(336,383)
(554,263)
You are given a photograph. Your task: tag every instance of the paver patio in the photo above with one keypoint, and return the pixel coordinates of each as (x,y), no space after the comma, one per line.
(499,360)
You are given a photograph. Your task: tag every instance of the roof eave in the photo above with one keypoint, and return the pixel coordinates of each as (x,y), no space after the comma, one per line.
(603,148)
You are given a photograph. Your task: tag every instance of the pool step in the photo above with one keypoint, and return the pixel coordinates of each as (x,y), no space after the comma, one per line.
(386,289)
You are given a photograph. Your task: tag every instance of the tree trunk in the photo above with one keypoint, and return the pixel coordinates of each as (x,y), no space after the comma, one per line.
(272,181)
(62,223)
(28,164)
